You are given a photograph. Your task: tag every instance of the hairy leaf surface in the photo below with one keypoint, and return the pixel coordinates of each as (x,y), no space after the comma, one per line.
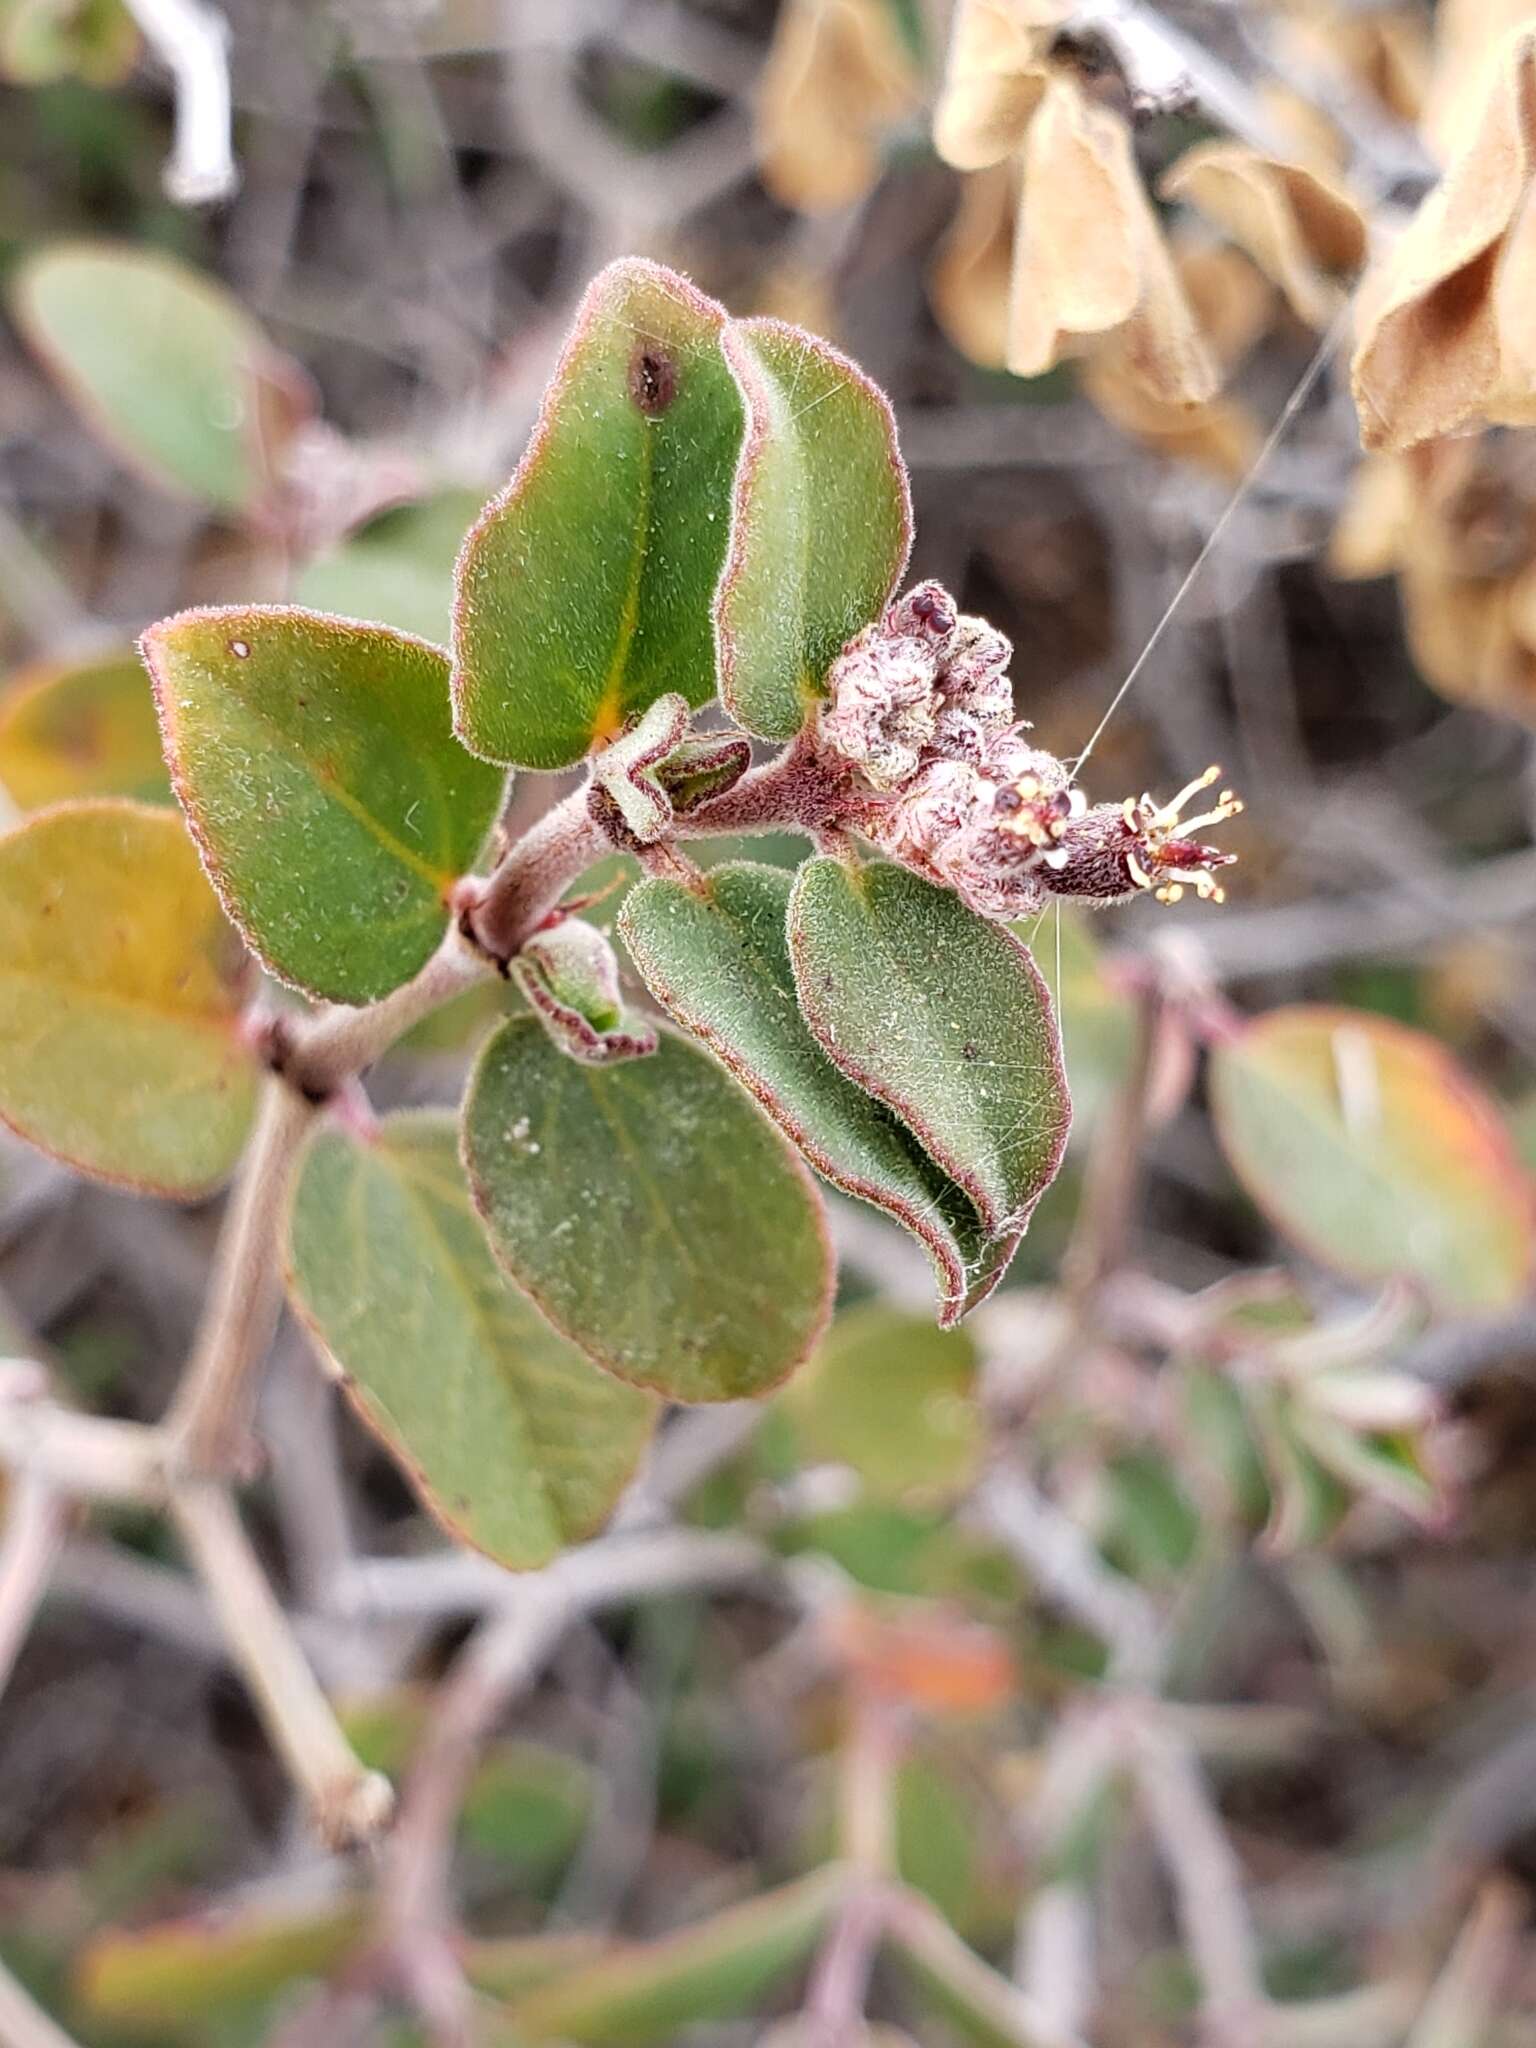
(655,1216)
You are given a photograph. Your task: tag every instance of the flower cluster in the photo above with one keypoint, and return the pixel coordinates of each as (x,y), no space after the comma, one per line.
(921,708)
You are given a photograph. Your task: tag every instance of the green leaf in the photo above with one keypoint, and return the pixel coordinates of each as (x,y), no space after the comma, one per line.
(821,522)
(44,40)
(398,569)
(585,588)
(528,1807)
(1370,1147)
(892,1396)
(511,1965)
(718,961)
(166,366)
(121,988)
(87,728)
(182,1970)
(512,1439)
(655,1217)
(941,1015)
(333,805)
(721,1969)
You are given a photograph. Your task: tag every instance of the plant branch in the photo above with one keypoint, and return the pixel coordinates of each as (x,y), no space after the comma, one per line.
(36,1516)
(192,41)
(1207,1883)
(922,1933)
(350,1803)
(83,1456)
(23,2023)
(500,1661)
(209,1420)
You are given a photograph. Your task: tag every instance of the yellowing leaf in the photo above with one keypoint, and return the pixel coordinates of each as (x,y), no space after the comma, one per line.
(1370,1147)
(120,995)
(86,728)
(837,77)
(1445,341)
(1299,226)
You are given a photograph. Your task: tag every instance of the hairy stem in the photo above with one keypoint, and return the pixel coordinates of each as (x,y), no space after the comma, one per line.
(351,1804)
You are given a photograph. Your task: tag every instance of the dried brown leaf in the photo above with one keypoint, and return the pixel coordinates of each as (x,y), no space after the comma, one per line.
(1445,340)
(1090,258)
(994,78)
(837,77)
(968,285)
(1300,227)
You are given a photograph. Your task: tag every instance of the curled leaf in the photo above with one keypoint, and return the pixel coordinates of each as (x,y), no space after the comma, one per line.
(717,959)
(1446,341)
(570,976)
(1300,227)
(837,78)
(943,1016)
(1090,258)
(968,285)
(994,78)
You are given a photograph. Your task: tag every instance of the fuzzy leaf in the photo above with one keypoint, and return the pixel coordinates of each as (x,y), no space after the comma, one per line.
(120,994)
(333,805)
(87,728)
(512,1439)
(644,1992)
(168,368)
(718,962)
(1368,1145)
(654,1216)
(891,1396)
(941,1015)
(585,588)
(398,570)
(821,524)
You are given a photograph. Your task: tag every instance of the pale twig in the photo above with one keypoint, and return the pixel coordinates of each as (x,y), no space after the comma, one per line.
(918,1928)
(83,1456)
(210,1418)
(1461,2007)
(1054,1962)
(36,1515)
(192,41)
(23,2023)
(499,1662)
(1208,1885)
(350,1803)
(1057,1555)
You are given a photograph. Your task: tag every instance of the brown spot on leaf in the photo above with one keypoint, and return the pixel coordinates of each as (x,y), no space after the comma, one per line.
(652,379)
